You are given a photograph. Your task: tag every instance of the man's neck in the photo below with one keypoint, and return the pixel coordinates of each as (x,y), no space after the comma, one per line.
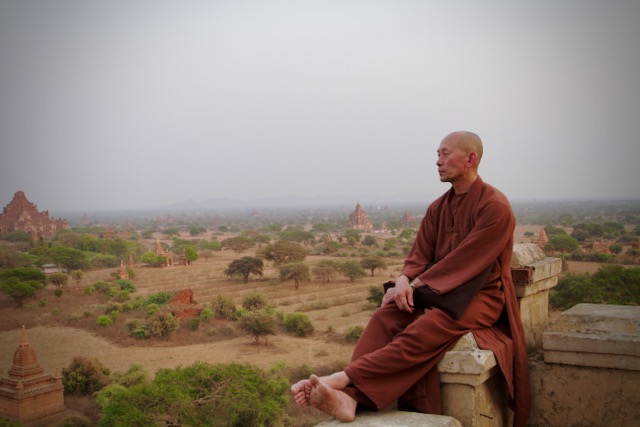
(463,186)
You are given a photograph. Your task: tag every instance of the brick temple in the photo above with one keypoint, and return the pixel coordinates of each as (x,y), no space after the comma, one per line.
(27,394)
(359,220)
(22,215)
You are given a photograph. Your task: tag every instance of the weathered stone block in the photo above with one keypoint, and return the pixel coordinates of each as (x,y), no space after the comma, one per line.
(472,390)
(393,418)
(595,335)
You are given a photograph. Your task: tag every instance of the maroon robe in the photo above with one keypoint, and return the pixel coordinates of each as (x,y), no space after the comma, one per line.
(396,357)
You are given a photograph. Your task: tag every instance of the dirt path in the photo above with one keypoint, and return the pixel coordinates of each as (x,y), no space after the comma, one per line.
(56,346)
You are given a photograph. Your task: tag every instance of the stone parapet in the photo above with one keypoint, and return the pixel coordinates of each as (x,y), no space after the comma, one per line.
(394,418)
(591,370)
(534,274)
(471,390)
(595,335)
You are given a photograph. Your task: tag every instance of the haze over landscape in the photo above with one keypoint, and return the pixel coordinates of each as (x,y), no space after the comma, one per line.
(147,104)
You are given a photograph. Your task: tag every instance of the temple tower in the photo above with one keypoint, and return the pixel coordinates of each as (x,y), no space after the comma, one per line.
(28,394)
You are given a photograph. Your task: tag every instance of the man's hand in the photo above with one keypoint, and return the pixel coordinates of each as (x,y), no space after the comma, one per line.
(401,294)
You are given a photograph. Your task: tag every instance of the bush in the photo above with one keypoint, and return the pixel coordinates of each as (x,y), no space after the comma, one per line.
(162,324)
(84,376)
(298,324)
(376,293)
(253,301)
(259,324)
(160,298)
(223,307)
(104,320)
(200,394)
(353,333)
(126,285)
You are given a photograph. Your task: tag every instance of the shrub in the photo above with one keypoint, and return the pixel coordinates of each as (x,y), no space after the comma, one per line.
(57,292)
(126,285)
(160,298)
(353,333)
(84,376)
(259,324)
(223,307)
(253,301)
(298,324)
(104,320)
(200,394)
(162,324)
(376,293)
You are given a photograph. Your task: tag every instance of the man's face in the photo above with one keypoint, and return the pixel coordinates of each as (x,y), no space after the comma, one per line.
(451,160)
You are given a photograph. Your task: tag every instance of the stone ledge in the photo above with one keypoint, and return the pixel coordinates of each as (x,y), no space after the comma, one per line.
(595,335)
(394,418)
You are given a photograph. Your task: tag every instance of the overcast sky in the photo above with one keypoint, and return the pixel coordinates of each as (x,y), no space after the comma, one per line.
(138,104)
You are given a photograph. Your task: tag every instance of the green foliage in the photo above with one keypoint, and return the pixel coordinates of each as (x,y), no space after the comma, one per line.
(159,298)
(376,293)
(562,243)
(353,333)
(283,252)
(204,395)
(352,270)
(238,244)
(11,258)
(126,285)
(162,324)
(296,271)
(325,269)
(259,324)
(298,324)
(373,262)
(104,320)
(253,301)
(84,376)
(153,259)
(245,267)
(21,283)
(223,307)
(611,284)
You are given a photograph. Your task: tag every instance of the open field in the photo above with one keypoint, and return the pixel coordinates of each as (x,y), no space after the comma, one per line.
(61,328)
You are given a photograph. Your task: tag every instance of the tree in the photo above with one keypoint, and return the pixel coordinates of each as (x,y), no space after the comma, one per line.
(325,270)
(77,276)
(373,262)
(562,243)
(153,259)
(84,376)
(58,279)
(21,283)
(238,244)
(370,241)
(69,258)
(352,270)
(254,301)
(297,234)
(259,324)
(283,252)
(245,267)
(297,272)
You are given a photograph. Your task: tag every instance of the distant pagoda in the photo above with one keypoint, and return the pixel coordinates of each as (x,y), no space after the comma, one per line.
(359,220)
(22,215)
(28,394)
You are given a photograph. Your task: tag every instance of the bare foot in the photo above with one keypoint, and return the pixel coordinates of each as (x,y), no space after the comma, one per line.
(300,392)
(331,401)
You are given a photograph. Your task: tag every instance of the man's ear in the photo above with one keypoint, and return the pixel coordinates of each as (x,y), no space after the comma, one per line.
(472,159)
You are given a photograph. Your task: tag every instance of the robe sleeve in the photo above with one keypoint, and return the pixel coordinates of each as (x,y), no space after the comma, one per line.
(490,233)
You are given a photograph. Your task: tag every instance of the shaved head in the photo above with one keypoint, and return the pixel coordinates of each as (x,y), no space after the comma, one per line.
(467,142)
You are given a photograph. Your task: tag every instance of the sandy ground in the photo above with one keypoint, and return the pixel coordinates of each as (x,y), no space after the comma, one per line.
(56,346)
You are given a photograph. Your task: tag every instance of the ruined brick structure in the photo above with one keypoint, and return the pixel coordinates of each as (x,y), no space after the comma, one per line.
(183,306)
(28,394)
(359,220)
(167,254)
(22,215)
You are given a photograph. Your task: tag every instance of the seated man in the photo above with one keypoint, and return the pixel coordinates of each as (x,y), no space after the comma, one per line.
(465,232)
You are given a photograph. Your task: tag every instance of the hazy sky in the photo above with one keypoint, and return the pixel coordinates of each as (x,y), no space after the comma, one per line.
(142,103)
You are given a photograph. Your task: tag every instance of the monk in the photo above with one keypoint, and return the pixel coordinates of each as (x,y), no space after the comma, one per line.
(465,232)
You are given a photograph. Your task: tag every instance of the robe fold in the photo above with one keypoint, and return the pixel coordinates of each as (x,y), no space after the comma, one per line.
(396,357)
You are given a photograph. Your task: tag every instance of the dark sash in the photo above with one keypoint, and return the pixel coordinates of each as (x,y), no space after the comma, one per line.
(454,302)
